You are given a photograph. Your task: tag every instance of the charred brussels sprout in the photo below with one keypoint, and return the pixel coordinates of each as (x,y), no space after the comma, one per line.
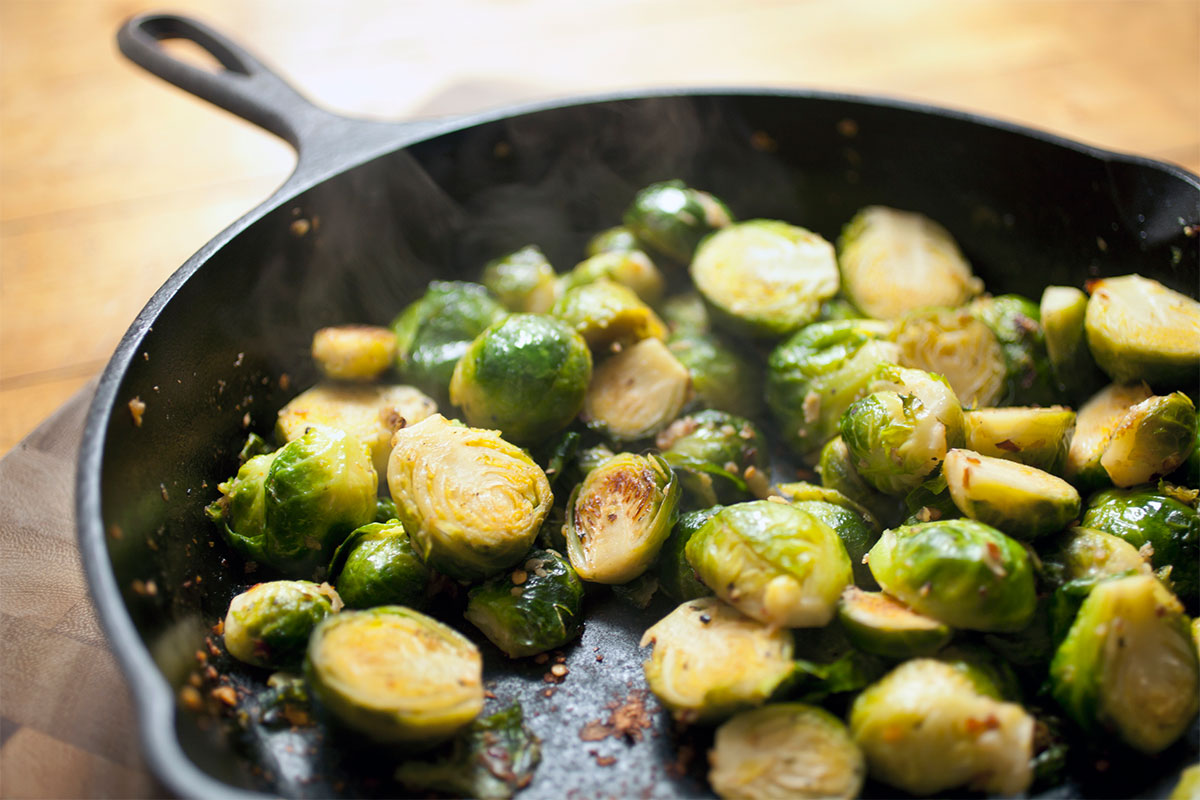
(773,562)
(608,314)
(722,377)
(291,509)
(879,624)
(720,458)
(893,262)
(353,352)
(1016,323)
(710,660)
(957,346)
(1164,528)
(630,268)
(765,278)
(433,332)
(1139,330)
(526,375)
(1086,554)
(535,608)
(786,750)
(1128,665)
(836,468)
(637,392)
(370,413)
(854,524)
(268,625)
(470,501)
(964,573)
(377,566)
(672,218)
(1062,313)
(619,517)
(814,376)
(395,675)
(1021,500)
(1036,436)
(676,577)
(522,280)
(927,727)
(617,239)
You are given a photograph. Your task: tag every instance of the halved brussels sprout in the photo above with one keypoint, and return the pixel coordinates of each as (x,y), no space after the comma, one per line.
(377,566)
(836,468)
(772,561)
(765,278)
(893,262)
(353,352)
(630,268)
(1016,323)
(1139,330)
(536,607)
(1037,436)
(814,376)
(722,376)
(526,376)
(616,239)
(710,660)
(672,218)
(854,524)
(719,457)
(686,313)
(926,727)
(395,675)
(471,502)
(1094,424)
(964,573)
(1128,665)
(523,280)
(1062,312)
(268,625)
(433,332)
(1151,439)
(1023,501)
(369,413)
(954,344)
(786,750)
(1088,554)
(619,517)
(1162,527)
(608,315)
(291,509)
(879,624)
(676,577)
(637,392)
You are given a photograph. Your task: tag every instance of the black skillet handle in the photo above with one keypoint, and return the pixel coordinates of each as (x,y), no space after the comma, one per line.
(248,88)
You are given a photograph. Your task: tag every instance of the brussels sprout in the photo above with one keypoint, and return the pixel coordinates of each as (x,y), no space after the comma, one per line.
(353,352)
(1151,439)
(1086,554)
(617,239)
(291,509)
(470,501)
(722,377)
(710,660)
(836,468)
(369,413)
(433,332)
(926,727)
(630,268)
(1016,323)
(1139,330)
(1166,530)
(619,517)
(686,313)
(1020,500)
(773,562)
(1128,665)
(1062,312)
(268,625)
(672,218)
(526,375)
(522,280)
(676,577)
(787,750)
(591,457)
(637,392)
(1094,424)
(765,278)
(855,525)
(893,262)
(957,346)
(961,572)
(814,376)
(1036,436)
(879,624)
(536,607)
(395,675)
(608,315)
(377,566)
(720,458)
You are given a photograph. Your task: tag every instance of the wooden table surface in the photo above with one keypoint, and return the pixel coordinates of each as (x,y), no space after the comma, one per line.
(109,179)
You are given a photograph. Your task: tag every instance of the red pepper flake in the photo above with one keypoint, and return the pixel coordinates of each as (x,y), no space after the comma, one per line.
(225,694)
(1008,446)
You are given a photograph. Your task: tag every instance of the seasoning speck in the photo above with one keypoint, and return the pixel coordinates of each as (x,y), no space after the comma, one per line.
(136,409)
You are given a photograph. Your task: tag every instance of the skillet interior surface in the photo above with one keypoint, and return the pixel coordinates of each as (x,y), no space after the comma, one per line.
(231,346)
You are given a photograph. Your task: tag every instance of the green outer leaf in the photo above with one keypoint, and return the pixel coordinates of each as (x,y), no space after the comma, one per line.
(836,468)
(723,377)
(544,614)
(675,575)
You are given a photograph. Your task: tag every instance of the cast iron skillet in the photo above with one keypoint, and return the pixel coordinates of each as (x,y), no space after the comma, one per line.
(373,211)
